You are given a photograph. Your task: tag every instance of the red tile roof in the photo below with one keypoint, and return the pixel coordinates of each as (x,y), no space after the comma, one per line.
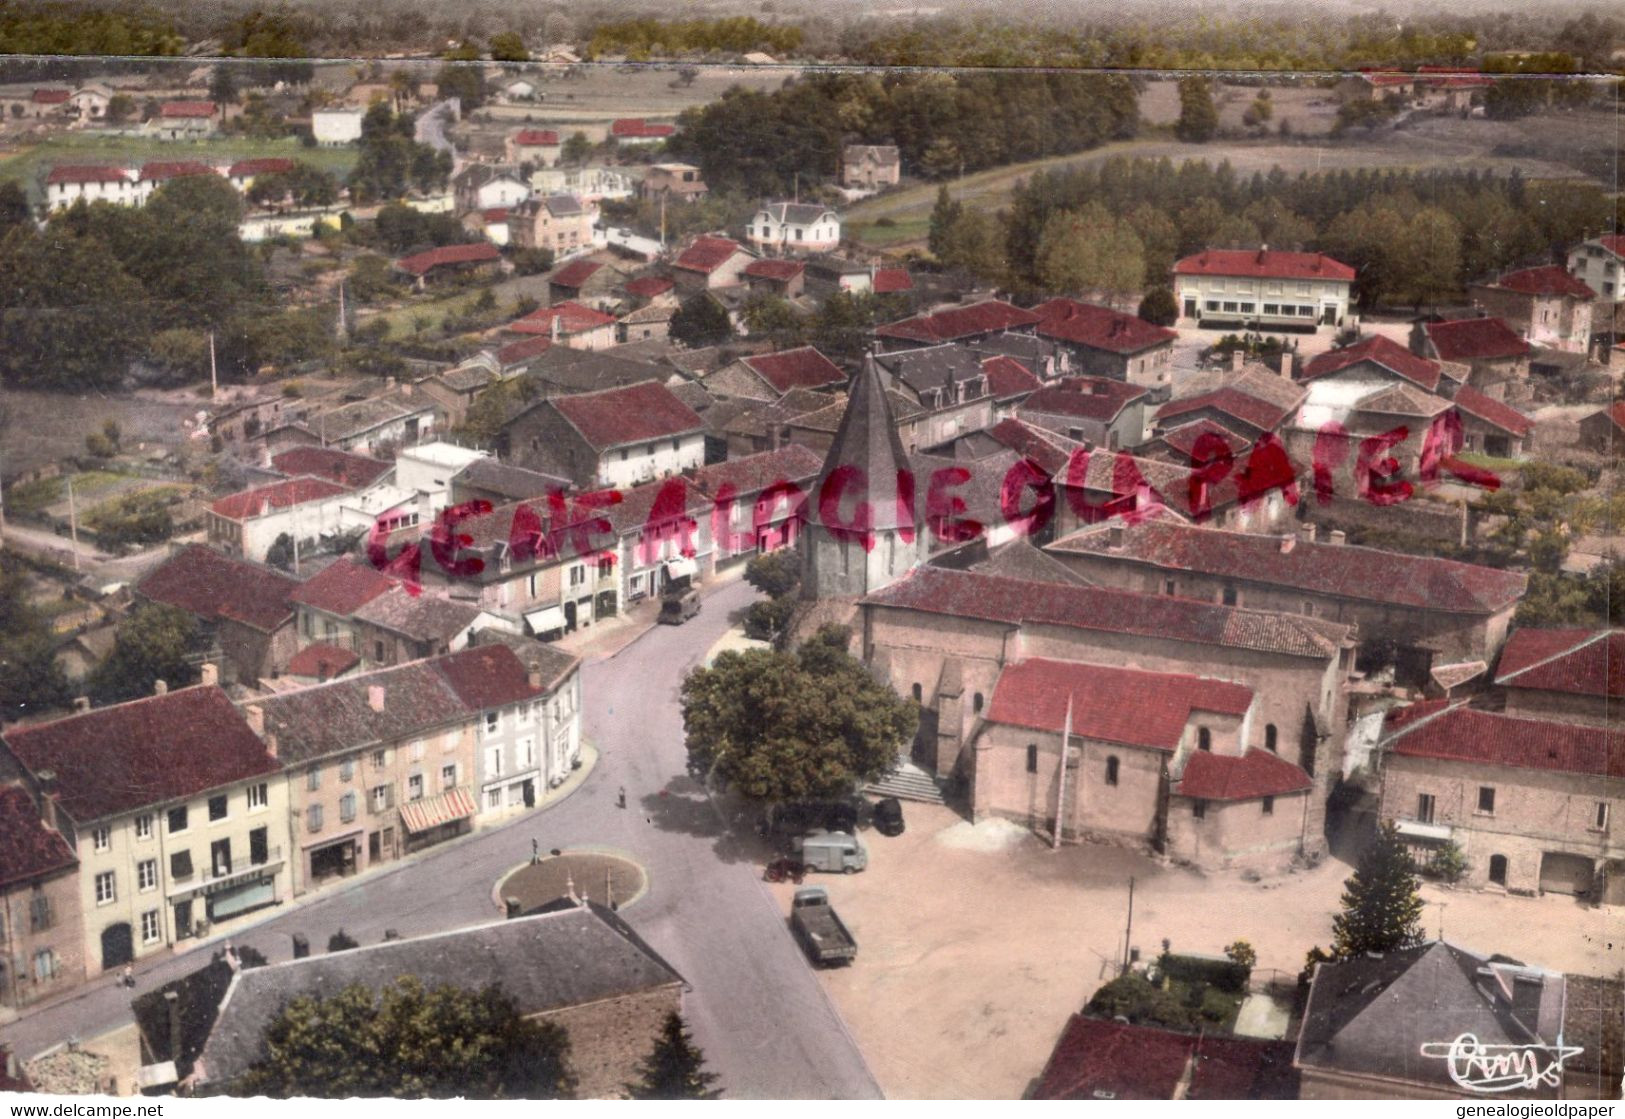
(801,368)
(1184,439)
(49,96)
(143,753)
(1050,451)
(342,587)
(752,474)
(1015,602)
(574,274)
(355,471)
(420,264)
(1614,243)
(1100,1060)
(28,849)
(647,287)
(637,128)
(1336,570)
(494,216)
(1228,401)
(173,110)
(1099,328)
(1257,773)
(87,173)
(781,270)
(486,676)
(573,318)
(536,138)
(271,165)
(158,170)
(1122,705)
(889,280)
(1492,411)
(1087,398)
(1382,351)
(632,414)
(1270,264)
(1546,280)
(206,583)
(1576,661)
(987,317)
(515,352)
(277,495)
(1481,738)
(1470,339)
(322,662)
(1007,377)
(706,254)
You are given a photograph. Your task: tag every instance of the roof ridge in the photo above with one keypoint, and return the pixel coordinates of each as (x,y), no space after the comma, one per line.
(1570,651)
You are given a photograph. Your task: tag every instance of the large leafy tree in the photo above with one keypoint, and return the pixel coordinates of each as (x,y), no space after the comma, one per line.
(1382,910)
(780,726)
(30,679)
(701,321)
(675,1070)
(155,642)
(409,1042)
(1088,250)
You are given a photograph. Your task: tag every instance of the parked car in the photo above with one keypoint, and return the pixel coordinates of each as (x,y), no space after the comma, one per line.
(798,817)
(675,609)
(888,816)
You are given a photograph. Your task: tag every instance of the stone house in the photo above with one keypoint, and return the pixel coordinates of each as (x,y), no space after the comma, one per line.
(1264,289)
(1497,355)
(1596,263)
(246,610)
(185,120)
(662,537)
(870,166)
(637,132)
(675,182)
(946,390)
(1248,400)
(592,283)
(539,147)
(1546,305)
(1099,411)
(67,183)
(488,186)
(42,935)
(757,501)
(710,262)
(615,437)
(560,223)
(1604,431)
(249,523)
(969,324)
(176,810)
(568,324)
(1490,426)
(433,265)
(1107,343)
(1530,802)
(786,279)
(1009,383)
(767,377)
(1565,675)
(1152,757)
(1409,611)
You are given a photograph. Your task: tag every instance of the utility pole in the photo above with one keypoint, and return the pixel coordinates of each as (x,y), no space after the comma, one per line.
(214,376)
(662,219)
(73,523)
(1128,930)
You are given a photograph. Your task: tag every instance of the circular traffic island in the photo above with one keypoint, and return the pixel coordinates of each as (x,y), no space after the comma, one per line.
(609,880)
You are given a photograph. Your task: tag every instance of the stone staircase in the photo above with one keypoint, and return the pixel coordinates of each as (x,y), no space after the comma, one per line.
(907,782)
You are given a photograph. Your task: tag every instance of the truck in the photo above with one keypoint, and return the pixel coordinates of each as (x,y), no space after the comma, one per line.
(833,852)
(823,934)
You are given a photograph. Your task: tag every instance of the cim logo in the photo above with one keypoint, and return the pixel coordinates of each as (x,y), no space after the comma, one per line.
(1490,1069)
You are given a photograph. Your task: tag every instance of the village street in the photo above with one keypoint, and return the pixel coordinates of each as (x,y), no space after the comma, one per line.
(756,1008)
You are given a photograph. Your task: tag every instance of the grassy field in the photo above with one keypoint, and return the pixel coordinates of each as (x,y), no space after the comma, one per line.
(27,163)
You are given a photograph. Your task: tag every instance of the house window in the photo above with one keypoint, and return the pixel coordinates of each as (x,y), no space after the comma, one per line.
(177,819)
(217,807)
(106,888)
(313,779)
(1199,809)
(1204,738)
(493,720)
(1486,800)
(1229,595)
(414,787)
(151,927)
(40,917)
(1600,821)
(1308,609)
(347,808)
(347,769)
(1032,757)
(1111,769)
(674,444)
(102,837)
(378,651)
(417,751)
(313,818)
(1167,586)
(383,797)
(976,703)
(493,762)
(44,965)
(1270,739)
(380,758)
(493,799)
(143,826)
(1424,808)
(146,875)
(258,796)
(1269,806)
(448,776)
(527,753)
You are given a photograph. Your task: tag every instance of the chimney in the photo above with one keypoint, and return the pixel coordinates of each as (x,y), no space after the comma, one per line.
(1307,532)
(160,687)
(270,745)
(210,675)
(553,327)
(406,388)
(47,798)
(375,696)
(1337,536)
(81,703)
(535,675)
(255,714)
(172,1007)
(1289,365)
(1237,358)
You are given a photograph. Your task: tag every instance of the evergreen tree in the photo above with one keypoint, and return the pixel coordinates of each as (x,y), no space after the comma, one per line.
(1160,307)
(943,216)
(701,321)
(1382,911)
(1198,118)
(675,1070)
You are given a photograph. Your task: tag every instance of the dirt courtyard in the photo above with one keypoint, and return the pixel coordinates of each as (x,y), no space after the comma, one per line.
(983,940)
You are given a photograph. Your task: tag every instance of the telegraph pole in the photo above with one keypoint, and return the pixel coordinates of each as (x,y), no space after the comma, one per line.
(1128,930)
(73,524)
(214,376)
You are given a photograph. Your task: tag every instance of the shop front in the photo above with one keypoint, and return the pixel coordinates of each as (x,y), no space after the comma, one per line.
(334,856)
(436,819)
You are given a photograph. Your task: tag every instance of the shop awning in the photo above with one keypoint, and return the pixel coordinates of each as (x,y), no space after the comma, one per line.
(1412,829)
(431,812)
(679,566)
(545,619)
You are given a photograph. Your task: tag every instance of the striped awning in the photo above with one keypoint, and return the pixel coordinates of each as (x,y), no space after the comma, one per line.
(431,812)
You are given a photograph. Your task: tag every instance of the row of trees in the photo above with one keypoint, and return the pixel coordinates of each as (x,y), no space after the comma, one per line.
(391,162)
(755,143)
(641,39)
(1414,237)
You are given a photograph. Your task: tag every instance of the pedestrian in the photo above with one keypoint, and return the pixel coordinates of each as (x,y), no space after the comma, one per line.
(621,800)
(129,976)
(535,852)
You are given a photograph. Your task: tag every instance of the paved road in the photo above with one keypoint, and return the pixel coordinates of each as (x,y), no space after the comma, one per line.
(59,549)
(756,1007)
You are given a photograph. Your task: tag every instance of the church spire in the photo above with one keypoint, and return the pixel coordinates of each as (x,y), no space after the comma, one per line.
(868,447)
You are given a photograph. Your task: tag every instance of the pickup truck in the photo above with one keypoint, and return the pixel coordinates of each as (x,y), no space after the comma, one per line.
(822,933)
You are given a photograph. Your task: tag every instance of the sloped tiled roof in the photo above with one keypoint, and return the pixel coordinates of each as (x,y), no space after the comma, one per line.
(889,280)
(322,661)
(28,849)
(1382,351)
(421,617)
(1483,738)
(752,474)
(270,165)
(647,287)
(574,274)
(420,264)
(145,752)
(1007,377)
(1577,661)
(354,471)
(342,587)
(1100,1060)
(801,368)
(1088,398)
(1257,773)
(1036,693)
(628,128)
(277,495)
(87,173)
(1263,264)
(1245,400)
(986,317)
(159,170)
(1492,411)
(1475,339)
(1050,451)
(485,676)
(524,349)
(781,271)
(1099,328)
(572,318)
(1546,280)
(536,138)
(1402,400)
(1340,570)
(209,584)
(1185,438)
(1016,602)
(172,110)
(706,254)
(631,414)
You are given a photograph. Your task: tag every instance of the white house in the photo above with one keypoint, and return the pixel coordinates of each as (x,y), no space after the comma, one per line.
(333,127)
(250,522)
(94,182)
(1597,263)
(539,147)
(1265,287)
(590,184)
(427,470)
(89,102)
(794,227)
